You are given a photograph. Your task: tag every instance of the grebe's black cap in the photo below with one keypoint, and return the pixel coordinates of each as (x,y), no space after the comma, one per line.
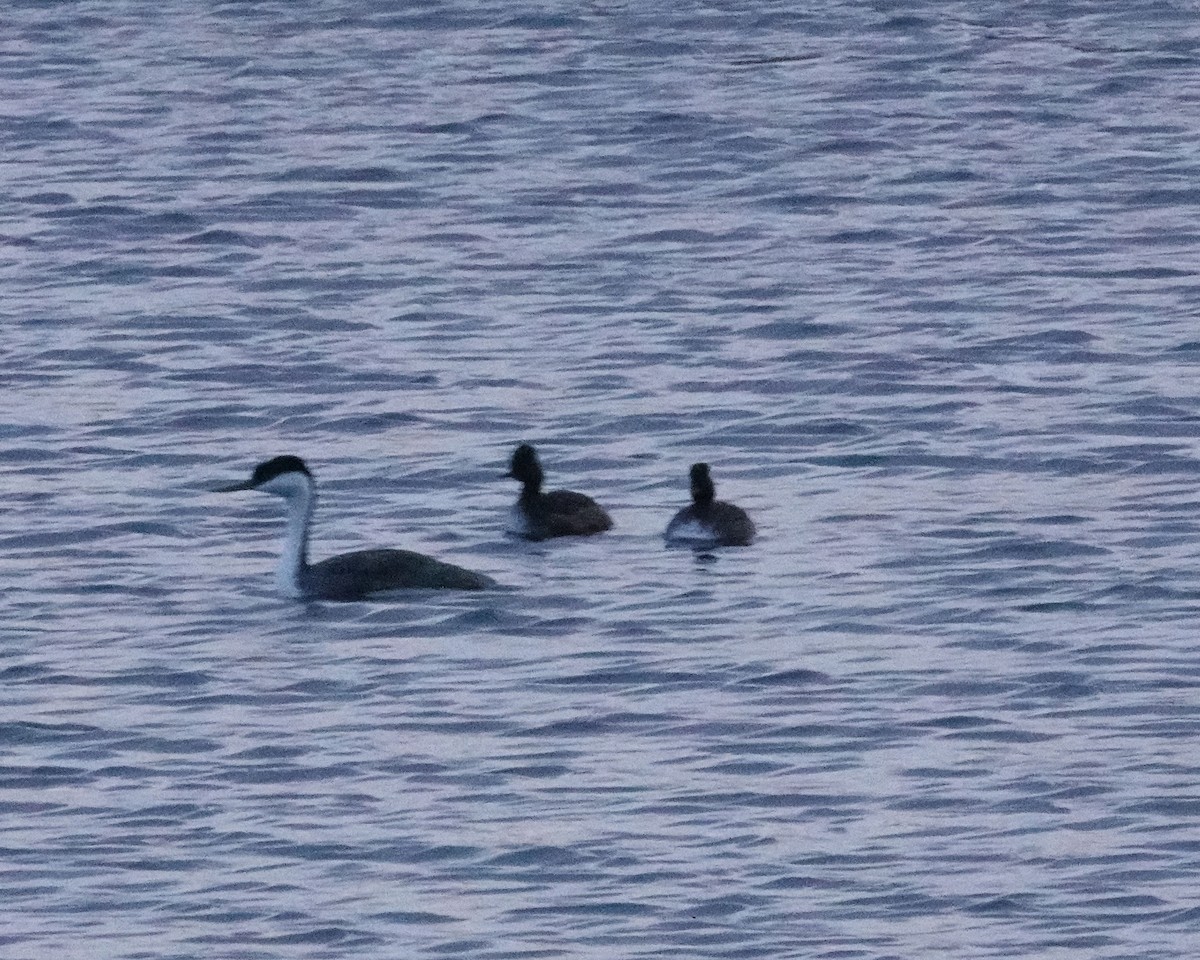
(268,470)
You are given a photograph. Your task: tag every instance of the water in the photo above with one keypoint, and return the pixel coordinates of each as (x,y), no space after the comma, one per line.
(919,282)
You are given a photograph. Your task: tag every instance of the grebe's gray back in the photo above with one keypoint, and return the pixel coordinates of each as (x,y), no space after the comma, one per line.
(348,576)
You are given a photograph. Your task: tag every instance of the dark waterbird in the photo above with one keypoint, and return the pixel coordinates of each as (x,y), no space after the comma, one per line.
(709,521)
(559,513)
(348,576)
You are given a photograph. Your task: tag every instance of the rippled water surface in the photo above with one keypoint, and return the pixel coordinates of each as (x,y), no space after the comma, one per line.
(919,281)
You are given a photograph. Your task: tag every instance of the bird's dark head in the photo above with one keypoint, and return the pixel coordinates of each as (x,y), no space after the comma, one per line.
(525,466)
(283,476)
(703,489)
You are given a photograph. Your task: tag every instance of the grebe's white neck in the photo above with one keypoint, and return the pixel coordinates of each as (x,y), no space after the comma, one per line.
(297,491)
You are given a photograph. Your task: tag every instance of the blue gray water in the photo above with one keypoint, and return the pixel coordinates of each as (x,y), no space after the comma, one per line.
(919,280)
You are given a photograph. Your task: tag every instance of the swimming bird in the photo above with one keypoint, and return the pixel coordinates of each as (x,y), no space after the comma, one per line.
(559,513)
(708,521)
(348,576)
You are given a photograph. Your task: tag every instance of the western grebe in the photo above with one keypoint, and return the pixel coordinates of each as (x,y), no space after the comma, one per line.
(348,576)
(709,522)
(559,513)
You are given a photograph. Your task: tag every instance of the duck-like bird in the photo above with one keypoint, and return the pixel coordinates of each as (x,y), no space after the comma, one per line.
(559,513)
(708,521)
(348,576)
